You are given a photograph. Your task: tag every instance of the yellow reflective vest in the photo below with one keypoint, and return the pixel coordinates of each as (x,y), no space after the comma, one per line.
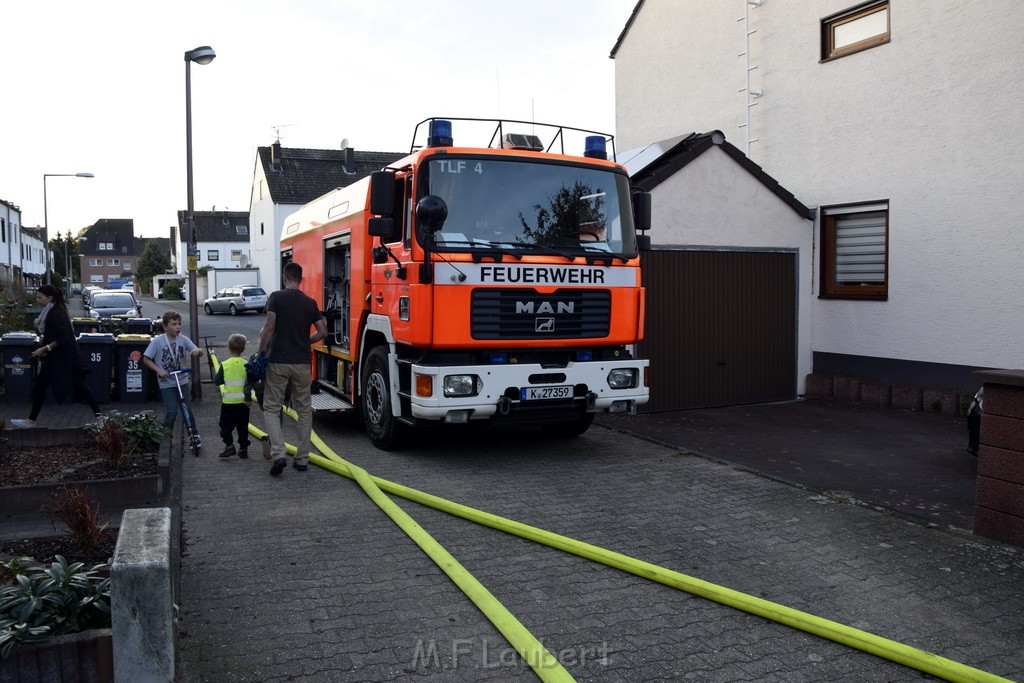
(233,389)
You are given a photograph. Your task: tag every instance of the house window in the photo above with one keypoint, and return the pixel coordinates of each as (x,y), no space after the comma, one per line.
(855,29)
(212,255)
(236,254)
(242,229)
(854,251)
(95,278)
(113,261)
(95,262)
(127,265)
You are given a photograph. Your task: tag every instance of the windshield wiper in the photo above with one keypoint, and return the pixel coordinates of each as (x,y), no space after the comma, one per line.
(607,254)
(549,250)
(478,255)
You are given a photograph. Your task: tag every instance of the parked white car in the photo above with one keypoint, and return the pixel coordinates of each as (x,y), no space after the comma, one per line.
(237,299)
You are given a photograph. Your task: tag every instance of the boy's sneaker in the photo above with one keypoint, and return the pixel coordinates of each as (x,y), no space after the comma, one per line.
(23,424)
(278,466)
(228,451)
(243,453)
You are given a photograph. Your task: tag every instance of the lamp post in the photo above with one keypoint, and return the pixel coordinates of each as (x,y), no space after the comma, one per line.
(46,223)
(200,55)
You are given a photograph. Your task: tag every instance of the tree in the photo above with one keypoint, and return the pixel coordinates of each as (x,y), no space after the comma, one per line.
(152,262)
(570,211)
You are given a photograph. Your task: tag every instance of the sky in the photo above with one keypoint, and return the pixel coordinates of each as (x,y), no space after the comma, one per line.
(100,88)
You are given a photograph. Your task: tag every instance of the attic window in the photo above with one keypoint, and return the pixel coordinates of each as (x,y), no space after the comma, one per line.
(242,229)
(855,29)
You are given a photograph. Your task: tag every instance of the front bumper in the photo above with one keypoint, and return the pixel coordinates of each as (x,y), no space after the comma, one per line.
(500,386)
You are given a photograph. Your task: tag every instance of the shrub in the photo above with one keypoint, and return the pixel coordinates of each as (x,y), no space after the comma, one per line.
(142,430)
(111,441)
(172,290)
(54,601)
(74,507)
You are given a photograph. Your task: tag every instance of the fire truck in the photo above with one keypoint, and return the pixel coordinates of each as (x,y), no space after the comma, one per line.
(496,283)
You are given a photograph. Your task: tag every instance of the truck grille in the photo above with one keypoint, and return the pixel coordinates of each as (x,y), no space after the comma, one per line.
(528,314)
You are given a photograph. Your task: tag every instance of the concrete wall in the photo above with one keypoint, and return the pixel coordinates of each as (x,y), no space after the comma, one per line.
(930,121)
(715,202)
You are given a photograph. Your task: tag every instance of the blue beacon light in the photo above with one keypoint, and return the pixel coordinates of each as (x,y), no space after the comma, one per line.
(440,134)
(595,147)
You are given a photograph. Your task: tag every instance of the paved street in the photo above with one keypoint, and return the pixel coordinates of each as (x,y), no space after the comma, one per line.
(303,578)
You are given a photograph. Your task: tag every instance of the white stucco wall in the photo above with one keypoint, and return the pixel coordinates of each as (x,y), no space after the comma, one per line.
(931,121)
(714,202)
(266,220)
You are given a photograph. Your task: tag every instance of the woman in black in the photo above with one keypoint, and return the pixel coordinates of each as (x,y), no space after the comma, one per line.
(61,363)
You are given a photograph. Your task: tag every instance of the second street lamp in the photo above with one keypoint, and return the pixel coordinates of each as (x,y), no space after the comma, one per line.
(46,222)
(200,55)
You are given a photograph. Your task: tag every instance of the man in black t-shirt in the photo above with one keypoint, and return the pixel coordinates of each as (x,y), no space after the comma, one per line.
(290,314)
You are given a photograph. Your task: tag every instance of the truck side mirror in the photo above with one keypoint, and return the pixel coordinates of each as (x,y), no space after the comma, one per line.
(380,227)
(382,193)
(642,210)
(431,212)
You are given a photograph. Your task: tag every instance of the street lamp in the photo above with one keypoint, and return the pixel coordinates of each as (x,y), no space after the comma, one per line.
(200,55)
(46,224)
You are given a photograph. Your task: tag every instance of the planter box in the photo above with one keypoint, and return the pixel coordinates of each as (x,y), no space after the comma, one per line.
(146,491)
(85,656)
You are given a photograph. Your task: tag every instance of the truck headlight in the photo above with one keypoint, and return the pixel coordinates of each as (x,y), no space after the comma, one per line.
(460,385)
(622,378)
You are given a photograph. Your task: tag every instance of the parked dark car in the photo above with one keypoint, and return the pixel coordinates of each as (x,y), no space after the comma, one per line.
(106,304)
(235,300)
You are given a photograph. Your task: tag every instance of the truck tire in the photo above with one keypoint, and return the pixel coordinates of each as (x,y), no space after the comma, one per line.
(384,430)
(572,428)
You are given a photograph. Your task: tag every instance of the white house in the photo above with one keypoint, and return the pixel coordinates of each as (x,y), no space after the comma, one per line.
(899,123)
(222,238)
(286,178)
(10,243)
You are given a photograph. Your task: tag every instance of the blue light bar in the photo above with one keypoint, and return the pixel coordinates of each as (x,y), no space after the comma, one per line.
(498,357)
(595,147)
(440,134)
(584,356)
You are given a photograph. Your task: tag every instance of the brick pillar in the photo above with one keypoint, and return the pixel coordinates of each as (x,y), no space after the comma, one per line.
(999,504)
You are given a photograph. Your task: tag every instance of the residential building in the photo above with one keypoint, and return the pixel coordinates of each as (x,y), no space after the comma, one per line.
(32,253)
(109,250)
(10,243)
(898,123)
(222,238)
(286,178)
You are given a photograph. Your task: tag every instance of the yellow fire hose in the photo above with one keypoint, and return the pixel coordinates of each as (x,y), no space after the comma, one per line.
(533,652)
(846,635)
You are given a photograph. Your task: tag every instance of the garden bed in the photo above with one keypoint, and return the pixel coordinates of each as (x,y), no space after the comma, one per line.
(35,468)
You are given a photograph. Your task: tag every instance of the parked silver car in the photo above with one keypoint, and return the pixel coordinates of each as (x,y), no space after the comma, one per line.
(235,300)
(109,303)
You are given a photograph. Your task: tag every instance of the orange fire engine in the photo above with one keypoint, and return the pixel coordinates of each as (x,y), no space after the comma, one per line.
(495,283)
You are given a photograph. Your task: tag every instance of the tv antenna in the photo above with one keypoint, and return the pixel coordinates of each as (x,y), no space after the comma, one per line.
(278,127)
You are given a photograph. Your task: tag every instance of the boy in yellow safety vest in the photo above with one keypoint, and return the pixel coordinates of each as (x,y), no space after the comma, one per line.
(236,398)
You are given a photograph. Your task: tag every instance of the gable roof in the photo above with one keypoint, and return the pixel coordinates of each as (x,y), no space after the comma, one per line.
(120,232)
(216,226)
(653,164)
(297,175)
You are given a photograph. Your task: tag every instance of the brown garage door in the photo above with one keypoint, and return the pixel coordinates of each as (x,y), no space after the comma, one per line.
(720,327)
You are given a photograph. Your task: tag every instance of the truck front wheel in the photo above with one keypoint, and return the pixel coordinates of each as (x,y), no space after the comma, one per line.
(385,431)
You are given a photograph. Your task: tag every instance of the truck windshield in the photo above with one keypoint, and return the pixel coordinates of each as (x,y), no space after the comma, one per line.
(530,206)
